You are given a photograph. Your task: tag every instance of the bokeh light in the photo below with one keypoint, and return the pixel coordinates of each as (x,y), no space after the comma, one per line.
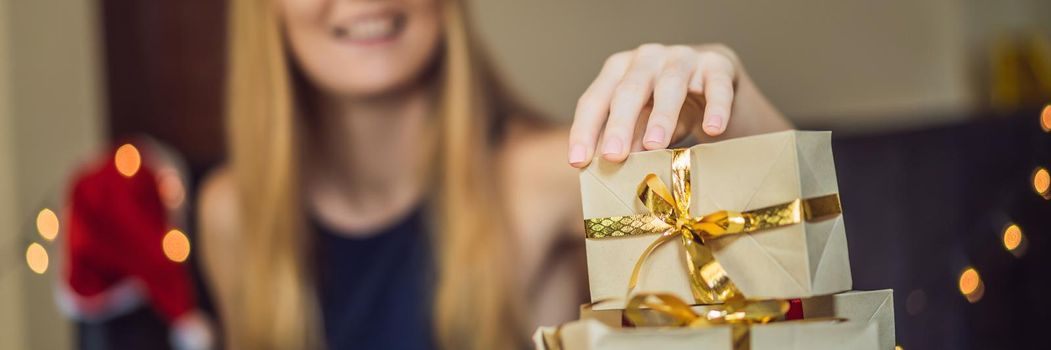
(47,224)
(971,285)
(1045,118)
(977,294)
(36,258)
(1042,182)
(169,184)
(127,160)
(969,280)
(916,302)
(1014,240)
(176,246)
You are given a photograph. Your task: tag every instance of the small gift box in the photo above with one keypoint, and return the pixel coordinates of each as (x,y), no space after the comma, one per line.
(876,306)
(757,216)
(790,335)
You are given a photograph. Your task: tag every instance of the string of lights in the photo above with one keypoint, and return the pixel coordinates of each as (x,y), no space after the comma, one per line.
(28,247)
(1012,235)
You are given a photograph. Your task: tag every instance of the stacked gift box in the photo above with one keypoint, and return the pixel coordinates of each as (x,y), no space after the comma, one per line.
(730,245)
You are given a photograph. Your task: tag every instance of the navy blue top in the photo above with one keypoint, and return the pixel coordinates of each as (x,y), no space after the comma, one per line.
(375,291)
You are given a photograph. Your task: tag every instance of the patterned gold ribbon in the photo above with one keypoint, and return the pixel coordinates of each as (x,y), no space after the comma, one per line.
(670,217)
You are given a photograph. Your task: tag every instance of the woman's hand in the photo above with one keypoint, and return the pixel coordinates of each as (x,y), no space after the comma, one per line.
(655,95)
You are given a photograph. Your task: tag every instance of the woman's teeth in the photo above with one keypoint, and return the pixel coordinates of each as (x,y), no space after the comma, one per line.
(373,28)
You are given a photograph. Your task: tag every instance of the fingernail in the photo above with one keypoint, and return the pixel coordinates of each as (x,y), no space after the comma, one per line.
(654,136)
(577,154)
(613,146)
(713,124)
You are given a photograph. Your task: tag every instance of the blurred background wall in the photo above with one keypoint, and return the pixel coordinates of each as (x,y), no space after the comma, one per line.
(849,65)
(10,278)
(50,121)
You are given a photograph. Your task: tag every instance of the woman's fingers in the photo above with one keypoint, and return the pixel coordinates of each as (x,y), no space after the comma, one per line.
(669,93)
(593,108)
(614,116)
(718,88)
(628,99)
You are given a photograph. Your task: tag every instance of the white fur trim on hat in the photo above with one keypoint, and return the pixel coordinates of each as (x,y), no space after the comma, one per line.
(192,331)
(118,300)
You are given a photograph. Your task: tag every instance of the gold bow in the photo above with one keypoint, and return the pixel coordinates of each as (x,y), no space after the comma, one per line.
(670,216)
(738,313)
(667,310)
(670,311)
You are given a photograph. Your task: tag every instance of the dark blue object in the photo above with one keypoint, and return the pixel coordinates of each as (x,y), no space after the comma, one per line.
(375,288)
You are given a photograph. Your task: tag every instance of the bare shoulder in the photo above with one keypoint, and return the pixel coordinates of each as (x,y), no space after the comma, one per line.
(538,154)
(538,180)
(543,201)
(218,205)
(218,232)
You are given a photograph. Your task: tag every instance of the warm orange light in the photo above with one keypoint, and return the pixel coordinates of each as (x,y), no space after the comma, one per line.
(176,246)
(1045,118)
(1012,237)
(36,258)
(1042,182)
(969,280)
(899,348)
(971,285)
(170,187)
(977,295)
(47,224)
(127,160)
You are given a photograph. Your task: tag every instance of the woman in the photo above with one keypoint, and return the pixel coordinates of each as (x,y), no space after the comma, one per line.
(384,191)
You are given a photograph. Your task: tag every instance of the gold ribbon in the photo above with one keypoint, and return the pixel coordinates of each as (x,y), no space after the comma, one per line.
(736,312)
(670,217)
(668,310)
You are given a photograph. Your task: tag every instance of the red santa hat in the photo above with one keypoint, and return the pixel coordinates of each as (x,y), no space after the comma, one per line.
(114,256)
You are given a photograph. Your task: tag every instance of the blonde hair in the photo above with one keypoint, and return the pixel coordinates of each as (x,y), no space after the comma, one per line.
(275,304)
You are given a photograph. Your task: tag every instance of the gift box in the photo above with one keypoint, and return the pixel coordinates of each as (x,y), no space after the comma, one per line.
(752,180)
(876,307)
(790,335)
(873,306)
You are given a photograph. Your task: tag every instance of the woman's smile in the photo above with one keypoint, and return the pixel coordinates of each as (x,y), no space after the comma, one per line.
(382,27)
(363,49)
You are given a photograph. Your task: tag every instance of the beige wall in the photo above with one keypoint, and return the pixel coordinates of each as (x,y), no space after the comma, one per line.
(49,121)
(848,64)
(11,326)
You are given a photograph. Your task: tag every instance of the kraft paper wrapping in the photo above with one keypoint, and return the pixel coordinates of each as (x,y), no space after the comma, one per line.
(796,261)
(791,335)
(872,306)
(875,306)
